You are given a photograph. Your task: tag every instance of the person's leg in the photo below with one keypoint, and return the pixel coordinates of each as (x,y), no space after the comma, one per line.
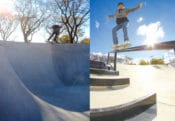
(125,31)
(50,37)
(55,38)
(114,33)
(126,38)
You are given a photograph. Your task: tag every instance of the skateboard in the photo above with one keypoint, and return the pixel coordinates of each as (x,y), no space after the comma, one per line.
(121,46)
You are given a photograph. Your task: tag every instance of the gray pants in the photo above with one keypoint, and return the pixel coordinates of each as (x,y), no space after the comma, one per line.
(118,27)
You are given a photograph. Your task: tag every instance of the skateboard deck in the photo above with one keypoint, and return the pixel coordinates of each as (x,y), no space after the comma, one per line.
(121,46)
(167,45)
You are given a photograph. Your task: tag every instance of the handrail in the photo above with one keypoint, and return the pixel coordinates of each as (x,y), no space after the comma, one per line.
(158,46)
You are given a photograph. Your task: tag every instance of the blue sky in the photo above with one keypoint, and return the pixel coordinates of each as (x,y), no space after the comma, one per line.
(155,20)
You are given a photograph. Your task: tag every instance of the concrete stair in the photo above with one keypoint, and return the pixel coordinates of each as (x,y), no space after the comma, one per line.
(123,111)
(106,80)
(116,104)
(103,71)
(97,64)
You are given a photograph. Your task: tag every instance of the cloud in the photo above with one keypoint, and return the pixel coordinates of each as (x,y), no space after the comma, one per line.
(140,19)
(97,24)
(97,53)
(152,32)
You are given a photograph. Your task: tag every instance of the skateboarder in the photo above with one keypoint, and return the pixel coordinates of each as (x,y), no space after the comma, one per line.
(122,21)
(55,33)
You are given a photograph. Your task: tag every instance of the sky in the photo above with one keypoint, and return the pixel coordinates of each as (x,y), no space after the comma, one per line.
(6,7)
(155,22)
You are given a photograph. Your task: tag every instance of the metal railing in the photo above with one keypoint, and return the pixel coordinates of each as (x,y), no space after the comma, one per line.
(159,46)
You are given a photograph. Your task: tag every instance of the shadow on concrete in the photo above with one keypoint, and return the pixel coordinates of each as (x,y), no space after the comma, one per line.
(148,115)
(58,74)
(156,66)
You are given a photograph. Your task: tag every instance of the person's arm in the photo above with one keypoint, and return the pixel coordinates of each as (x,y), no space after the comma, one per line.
(136,8)
(112,16)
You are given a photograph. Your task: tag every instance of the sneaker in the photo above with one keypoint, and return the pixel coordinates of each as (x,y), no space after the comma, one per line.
(126,44)
(117,47)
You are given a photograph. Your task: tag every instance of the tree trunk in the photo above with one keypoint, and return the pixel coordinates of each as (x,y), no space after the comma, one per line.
(26,39)
(71,40)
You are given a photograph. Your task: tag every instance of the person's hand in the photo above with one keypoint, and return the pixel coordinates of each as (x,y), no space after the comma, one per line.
(140,5)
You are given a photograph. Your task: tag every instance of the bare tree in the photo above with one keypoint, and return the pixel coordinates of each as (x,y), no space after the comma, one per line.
(31,15)
(53,20)
(8,25)
(74,15)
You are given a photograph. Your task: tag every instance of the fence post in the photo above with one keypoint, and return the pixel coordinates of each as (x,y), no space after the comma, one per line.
(108,57)
(115,60)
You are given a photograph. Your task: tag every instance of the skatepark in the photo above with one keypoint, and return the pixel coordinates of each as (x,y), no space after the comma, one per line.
(44,82)
(160,80)
(132,92)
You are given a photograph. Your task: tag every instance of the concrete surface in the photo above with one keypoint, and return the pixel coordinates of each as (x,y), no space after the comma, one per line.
(44,82)
(109,98)
(143,79)
(159,79)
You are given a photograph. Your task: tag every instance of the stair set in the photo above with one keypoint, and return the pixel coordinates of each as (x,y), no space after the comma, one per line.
(101,76)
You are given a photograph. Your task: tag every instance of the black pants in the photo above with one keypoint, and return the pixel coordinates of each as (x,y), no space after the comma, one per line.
(55,38)
(55,34)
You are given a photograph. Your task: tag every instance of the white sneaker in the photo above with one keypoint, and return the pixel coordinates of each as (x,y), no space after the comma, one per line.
(117,47)
(126,44)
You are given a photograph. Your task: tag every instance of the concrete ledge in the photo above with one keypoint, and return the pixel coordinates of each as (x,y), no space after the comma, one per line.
(103,71)
(108,88)
(124,111)
(95,81)
(97,64)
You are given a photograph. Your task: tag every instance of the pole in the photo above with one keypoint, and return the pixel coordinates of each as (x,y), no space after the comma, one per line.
(115,61)
(108,57)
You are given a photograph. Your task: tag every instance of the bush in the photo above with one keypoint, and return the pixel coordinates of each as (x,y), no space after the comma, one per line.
(85,41)
(157,61)
(64,39)
(143,62)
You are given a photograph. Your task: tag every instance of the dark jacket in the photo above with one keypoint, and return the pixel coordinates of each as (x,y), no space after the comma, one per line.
(122,15)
